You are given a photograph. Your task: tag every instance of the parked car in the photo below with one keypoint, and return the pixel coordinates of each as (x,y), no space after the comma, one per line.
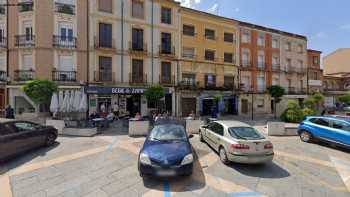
(167,152)
(237,142)
(335,130)
(20,136)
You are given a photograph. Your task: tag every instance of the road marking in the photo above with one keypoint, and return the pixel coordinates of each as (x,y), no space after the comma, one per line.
(166,187)
(245,194)
(303,158)
(5,187)
(343,168)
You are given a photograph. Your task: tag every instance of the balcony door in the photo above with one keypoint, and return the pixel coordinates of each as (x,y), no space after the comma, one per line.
(66,32)
(105,73)
(166,72)
(28,31)
(137,71)
(137,39)
(66,63)
(166,43)
(105,35)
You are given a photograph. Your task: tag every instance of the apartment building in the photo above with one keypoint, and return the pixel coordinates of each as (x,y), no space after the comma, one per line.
(43,43)
(315,73)
(3,56)
(208,64)
(337,62)
(133,44)
(270,57)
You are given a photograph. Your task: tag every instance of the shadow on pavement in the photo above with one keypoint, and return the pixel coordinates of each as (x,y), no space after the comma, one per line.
(333,146)
(179,184)
(269,170)
(26,157)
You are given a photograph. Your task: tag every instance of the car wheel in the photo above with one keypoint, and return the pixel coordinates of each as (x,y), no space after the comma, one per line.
(201,137)
(305,136)
(50,139)
(223,156)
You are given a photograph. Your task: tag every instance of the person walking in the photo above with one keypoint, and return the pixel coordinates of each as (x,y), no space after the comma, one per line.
(9,112)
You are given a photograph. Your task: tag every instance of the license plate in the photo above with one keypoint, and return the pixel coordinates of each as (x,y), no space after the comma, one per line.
(166,173)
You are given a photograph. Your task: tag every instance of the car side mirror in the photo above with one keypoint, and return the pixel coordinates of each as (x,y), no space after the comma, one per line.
(191,136)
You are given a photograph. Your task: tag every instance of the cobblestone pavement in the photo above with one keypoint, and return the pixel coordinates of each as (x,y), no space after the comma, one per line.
(107,166)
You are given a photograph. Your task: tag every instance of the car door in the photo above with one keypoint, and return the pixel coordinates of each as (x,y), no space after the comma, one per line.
(321,128)
(341,132)
(209,131)
(217,135)
(9,143)
(30,135)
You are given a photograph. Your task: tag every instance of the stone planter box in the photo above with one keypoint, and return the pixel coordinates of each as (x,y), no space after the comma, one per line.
(193,126)
(58,124)
(88,132)
(138,128)
(281,129)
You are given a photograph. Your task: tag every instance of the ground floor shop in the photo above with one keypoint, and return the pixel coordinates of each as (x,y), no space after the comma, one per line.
(262,104)
(2,100)
(126,101)
(205,103)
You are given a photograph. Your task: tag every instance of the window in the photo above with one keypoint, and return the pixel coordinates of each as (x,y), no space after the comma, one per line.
(137,39)
(65,63)
(209,55)
(275,60)
(105,6)
(210,34)
(66,32)
(229,81)
(246,57)
(261,59)
(188,30)
(261,40)
(260,103)
(246,36)
(27,63)
(217,128)
(300,48)
(288,64)
(166,15)
(210,80)
(166,43)
(189,79)
(25,126)
(275,81)
(2,35)
(137,9)
(188,52)
(261,83)
(246,83)
(275,43)
(28,32)
(105,64)
(320,121)
(315,60)
(300,64)
(166,72)
(137,70)
(228,57)
(340,125)
(105,35)
(228,37)
(288,46)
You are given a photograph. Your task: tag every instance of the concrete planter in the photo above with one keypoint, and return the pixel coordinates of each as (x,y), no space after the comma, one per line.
(88,132)
(138,128)
(281,129)
(58,124)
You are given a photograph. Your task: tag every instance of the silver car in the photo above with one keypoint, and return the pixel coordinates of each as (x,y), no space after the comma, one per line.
(237,142)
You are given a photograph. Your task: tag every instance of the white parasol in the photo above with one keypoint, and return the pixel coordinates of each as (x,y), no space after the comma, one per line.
(65,103)
(71,102)
(77,98)
(60,100)
(83,103)
(54,106)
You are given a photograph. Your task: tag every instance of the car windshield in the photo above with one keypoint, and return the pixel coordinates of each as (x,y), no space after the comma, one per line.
(168,133)
(247,133)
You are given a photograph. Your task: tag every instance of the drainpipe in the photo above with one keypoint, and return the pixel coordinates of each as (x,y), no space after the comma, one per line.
(7,53)
(122,43)
(88,54)
(152,40)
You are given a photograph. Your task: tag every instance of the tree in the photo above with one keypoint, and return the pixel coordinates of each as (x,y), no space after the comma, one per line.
(310,103)
(276,92)
(318,98)
(154,94)
(39,91)
(344,98)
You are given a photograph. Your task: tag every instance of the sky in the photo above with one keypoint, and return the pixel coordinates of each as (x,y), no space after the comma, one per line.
(326,23)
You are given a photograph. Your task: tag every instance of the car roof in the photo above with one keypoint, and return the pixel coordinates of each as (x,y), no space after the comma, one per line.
(232,123)
(346,119)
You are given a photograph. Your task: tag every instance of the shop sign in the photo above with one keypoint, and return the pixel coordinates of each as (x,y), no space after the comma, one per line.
(116,90)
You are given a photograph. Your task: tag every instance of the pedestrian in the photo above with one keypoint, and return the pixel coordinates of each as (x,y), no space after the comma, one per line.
(9,112)
(323,112)
(158,117)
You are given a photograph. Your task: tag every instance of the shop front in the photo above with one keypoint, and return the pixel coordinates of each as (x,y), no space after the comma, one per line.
(224,103)
(2,101)
(124,101)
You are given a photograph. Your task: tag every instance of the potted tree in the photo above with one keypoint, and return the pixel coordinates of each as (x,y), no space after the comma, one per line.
(276,92)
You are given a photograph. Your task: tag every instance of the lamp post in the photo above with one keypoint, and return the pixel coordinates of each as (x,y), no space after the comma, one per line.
(252,108)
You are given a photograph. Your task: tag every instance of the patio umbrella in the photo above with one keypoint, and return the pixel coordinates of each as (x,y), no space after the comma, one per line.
(60,100)
(77,98)
(83,103)
(71,102)
(54,106)
(65,103)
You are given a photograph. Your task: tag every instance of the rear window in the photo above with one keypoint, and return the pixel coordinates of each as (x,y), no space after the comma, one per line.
(246,133)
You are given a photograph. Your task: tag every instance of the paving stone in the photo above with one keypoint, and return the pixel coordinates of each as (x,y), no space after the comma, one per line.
(37,194)
(93,185)
(97,193)
(114,187)
(124,193)
(25,182)
(67,185)
(70,193)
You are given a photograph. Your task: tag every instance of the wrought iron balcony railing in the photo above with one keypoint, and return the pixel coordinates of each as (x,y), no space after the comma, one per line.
(24,75)
(26,40)
(65,8)
(165,49)
(64,76)
(137,47)
(26,6)
(3,76)
(104,76)
(167,80)
(137,79)
(3,42)
(64,42)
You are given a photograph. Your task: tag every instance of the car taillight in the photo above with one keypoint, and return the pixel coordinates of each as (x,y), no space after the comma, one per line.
(240,146)
(268,146)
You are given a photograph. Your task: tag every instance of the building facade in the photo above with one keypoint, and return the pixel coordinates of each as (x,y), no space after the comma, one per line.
(270,57)
(3,57)
(208,64)
(43,43)
(133,44)
(337,62)
(315,73)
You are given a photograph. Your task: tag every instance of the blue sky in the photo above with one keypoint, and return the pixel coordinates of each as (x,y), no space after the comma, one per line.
(326,23)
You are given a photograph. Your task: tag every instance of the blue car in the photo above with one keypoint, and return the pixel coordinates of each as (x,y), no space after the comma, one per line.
(167,152)
(330,129)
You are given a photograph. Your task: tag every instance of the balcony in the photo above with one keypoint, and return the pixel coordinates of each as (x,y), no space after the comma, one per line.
(64,42)
(210,59)
(24,75)
(276,68)
(3,42)
(189,56)
(26,6)
(104,45)
(166,50)
(137,79)
(167,80)
(137,47)
(64,8)
(246,65)
(229,86)
(261,67)
(25,40)
(64,76)
(3,76)
(290,69)
(104,76)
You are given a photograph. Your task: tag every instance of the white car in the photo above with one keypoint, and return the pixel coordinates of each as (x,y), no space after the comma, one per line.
(237,142)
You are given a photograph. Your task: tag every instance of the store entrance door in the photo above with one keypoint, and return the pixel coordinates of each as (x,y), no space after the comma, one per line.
(133,105)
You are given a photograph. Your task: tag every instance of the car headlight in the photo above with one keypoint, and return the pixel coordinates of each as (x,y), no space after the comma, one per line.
(144,159)
(187,159)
